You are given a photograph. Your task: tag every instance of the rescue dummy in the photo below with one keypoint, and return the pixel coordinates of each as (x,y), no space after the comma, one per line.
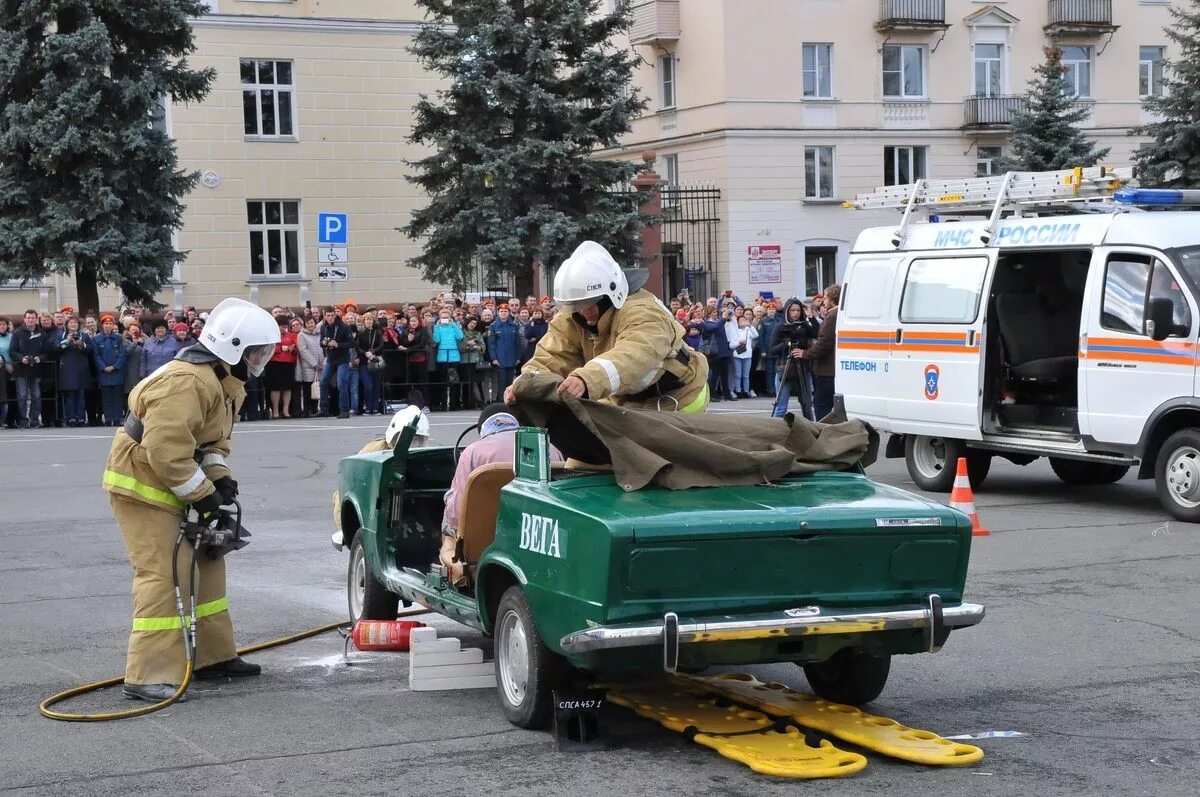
(616,342)
(497,443)
(170,454)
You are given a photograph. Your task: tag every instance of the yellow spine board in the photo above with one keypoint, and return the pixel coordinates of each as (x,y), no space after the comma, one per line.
(737,733)
(846,723)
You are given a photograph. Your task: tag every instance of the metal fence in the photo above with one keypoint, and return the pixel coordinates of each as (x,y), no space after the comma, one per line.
(690,227)
(992,111)
(1080,12)
(912,10)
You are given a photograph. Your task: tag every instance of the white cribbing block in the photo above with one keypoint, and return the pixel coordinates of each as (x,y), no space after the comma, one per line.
(451,671)
(436,646)
(422,634)
(441,684)
(467,656)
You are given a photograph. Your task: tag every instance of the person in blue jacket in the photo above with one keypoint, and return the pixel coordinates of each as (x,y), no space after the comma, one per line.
(720,356)
(446,336)
(74,371)
(108,351)
(505,344)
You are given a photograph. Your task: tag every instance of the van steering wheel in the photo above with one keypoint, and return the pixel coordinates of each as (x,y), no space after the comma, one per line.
(458,446)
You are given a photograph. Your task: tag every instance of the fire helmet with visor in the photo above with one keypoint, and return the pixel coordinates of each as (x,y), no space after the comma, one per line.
(587,276)
(238,331)
(404,418)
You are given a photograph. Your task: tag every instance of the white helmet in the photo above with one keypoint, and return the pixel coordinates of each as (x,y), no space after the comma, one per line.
(404,418)
(589,274)
(237,330)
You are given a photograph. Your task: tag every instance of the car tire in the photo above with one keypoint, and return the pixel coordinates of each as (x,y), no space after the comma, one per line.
(527,672)
(366,598)
(1177,475)
(851,676)
(931,461)
(1080,472)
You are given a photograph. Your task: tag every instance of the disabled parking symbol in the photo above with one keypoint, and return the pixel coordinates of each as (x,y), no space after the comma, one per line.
(933,375)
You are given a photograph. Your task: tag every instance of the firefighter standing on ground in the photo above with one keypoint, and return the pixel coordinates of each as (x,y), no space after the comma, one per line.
(615,341)
(171,454)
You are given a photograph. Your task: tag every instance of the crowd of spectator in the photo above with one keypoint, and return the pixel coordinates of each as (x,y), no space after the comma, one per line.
(63,369)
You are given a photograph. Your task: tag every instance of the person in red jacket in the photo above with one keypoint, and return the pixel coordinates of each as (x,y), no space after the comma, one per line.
(280,377)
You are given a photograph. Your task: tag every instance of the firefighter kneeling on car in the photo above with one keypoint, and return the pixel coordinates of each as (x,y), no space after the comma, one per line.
(171,454)
(615,341)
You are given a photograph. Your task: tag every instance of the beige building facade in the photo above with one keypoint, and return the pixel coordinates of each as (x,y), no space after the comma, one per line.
(308,114)
(790,107)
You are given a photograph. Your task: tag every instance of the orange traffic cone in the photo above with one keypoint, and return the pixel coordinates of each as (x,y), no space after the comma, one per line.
(963,499)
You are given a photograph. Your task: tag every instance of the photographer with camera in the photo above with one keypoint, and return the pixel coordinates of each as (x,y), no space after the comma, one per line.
(337,341)
(792,338)
(74,371)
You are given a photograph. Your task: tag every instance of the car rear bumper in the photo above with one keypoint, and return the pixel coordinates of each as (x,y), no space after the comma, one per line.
(672,631)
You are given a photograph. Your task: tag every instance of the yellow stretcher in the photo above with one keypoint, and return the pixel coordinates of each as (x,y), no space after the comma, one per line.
(741,734)
(763,726)
(878,734)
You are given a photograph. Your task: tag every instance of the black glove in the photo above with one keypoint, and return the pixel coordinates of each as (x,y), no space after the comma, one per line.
(228,489)
(207,508)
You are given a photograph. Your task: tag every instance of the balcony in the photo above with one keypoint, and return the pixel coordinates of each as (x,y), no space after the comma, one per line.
(654,22)
(1080,18)
(897,15)
(991,113)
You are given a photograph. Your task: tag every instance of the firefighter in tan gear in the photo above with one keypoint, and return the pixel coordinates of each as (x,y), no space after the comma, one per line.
(171,454)
(616,342)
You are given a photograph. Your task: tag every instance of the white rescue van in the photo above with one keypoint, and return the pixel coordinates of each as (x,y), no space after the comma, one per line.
(1069,335)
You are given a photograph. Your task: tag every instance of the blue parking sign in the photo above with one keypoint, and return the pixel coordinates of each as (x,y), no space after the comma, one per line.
(332,228)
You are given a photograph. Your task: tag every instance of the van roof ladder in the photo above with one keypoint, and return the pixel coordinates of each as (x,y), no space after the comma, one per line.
(1013,193)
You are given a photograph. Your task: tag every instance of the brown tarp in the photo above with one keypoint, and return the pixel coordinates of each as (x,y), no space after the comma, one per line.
(678,451)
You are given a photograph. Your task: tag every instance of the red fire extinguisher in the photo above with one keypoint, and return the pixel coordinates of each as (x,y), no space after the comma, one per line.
(383,634)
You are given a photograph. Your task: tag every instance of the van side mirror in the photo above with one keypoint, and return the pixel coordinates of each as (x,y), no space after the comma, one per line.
(1160,319)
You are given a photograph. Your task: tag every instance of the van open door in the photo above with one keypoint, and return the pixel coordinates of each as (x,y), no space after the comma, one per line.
(935,386)
(866,329)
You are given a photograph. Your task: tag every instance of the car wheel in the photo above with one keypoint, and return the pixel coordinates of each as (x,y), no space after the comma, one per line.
(1079,472)
(932,461)
(366,598)
(1177,475)
(851,676)
(527,672)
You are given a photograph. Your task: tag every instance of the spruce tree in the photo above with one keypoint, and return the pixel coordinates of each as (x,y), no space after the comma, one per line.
(86,184)
(535,87)
(1172,158)
(1045,134)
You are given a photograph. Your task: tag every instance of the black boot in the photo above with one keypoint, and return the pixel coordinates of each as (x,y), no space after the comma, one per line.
(234,668)
(151,693)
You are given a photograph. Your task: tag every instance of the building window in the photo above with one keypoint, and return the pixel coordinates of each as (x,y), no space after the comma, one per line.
(159,115)
(820,269)
(818,172)
(818,71)
(670,194)
(989,68)
(274,237)
(1150,71)
(903,71)
(666,80)
(267,105)
(903,165)
(985,160)
(1077,74)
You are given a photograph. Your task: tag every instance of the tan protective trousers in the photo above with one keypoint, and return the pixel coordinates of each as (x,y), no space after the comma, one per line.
(156,654)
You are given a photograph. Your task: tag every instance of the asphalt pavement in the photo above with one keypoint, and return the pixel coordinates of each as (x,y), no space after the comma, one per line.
(1091,649)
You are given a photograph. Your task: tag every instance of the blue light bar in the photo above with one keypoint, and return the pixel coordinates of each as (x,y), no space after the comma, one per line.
(1156,196)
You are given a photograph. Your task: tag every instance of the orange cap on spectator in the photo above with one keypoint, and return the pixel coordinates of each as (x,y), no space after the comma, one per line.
(350,303)
(66,308)
(544,299)
(104,318)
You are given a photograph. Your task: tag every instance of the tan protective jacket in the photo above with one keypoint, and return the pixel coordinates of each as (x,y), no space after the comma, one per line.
(187,412)
(633,349)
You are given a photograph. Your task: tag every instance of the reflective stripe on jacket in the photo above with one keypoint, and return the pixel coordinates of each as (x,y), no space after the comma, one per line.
(187,414)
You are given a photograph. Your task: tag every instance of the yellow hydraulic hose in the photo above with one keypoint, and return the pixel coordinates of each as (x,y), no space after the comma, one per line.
(45,705)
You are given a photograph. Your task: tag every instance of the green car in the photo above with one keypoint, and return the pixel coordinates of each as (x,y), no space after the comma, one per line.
(830,570)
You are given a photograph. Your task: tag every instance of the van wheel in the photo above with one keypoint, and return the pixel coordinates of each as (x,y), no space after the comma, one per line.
(1177,475)
(366,598)
(931,461)
(527,672)
(851,676)
(1078,472)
